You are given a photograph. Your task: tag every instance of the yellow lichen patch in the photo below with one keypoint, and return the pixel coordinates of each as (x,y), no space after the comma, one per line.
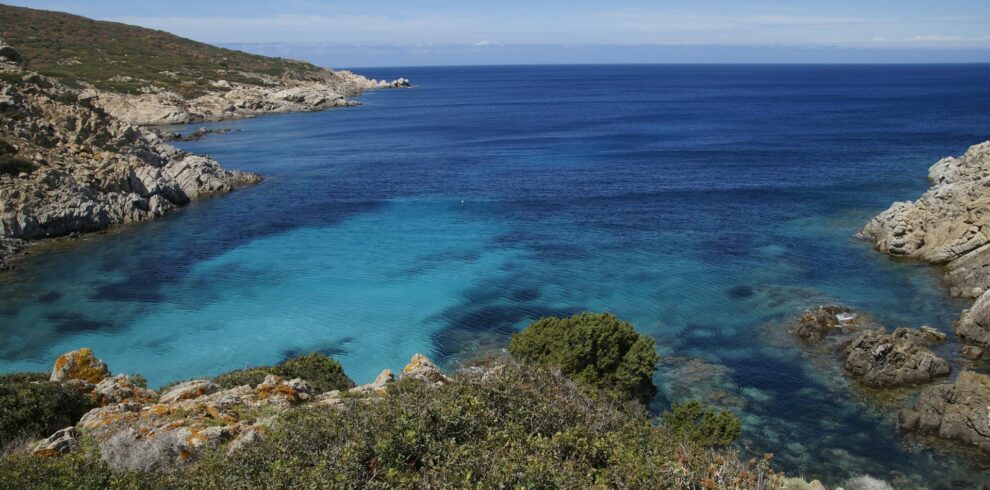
(416,362)
(159,410)
(216,413)
(46,453)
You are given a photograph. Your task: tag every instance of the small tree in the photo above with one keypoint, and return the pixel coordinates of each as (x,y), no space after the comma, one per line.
(702,424)
(596,349)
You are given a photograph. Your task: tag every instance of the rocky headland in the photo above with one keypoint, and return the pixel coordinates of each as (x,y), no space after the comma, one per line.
(70,167)
(75,155)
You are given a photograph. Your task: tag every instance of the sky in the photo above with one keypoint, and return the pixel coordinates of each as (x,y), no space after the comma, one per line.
(444,32)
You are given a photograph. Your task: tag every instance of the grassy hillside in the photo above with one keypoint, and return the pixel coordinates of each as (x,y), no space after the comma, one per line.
(125,58)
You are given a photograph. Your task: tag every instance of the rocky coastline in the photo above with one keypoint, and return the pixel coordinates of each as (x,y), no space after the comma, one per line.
(947,227)
(74,161)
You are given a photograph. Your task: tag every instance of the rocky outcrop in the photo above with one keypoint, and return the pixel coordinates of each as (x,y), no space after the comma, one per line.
(81,169)
(881,360)
(79,365)
(949,226)
(974,324)
(56,444)
(818,323)
(140,430)
(958,411)
(232,100)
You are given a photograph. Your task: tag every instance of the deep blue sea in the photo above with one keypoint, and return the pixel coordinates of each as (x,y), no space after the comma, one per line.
(707,205)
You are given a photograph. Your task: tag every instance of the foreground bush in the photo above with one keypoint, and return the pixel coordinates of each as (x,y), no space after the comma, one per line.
(322,373)
(598,350)
(518,426)
(32,407)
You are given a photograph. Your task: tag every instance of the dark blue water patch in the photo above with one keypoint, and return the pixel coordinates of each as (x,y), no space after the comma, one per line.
(469,327)
(740,292)
(49,297)
(70,323)
(333,349)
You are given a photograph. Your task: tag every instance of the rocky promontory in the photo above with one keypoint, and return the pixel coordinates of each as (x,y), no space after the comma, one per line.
(68,166)
(223,99)
(949,226)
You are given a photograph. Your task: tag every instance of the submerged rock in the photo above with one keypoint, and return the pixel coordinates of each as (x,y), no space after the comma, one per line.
(971,352)
(958,411)
(878,359)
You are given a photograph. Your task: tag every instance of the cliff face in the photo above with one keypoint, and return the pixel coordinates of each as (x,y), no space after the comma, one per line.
(949,226)
(70,166)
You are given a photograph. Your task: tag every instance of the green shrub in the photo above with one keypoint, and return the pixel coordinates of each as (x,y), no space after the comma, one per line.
(13,165)
(322,373)
(33,407)
(527,426)
(598,350)
(702,424)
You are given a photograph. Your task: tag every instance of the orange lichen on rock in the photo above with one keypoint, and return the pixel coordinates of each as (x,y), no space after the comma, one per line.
(79,364)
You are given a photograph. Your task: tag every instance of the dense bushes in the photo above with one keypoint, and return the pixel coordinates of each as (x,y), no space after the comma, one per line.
(598,350)
(702,424)
(32,407)
(322,373)
(520,425)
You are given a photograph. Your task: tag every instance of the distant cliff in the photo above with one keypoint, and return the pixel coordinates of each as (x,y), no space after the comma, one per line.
(144,76)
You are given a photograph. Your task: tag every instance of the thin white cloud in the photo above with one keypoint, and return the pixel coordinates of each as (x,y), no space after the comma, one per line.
(932,38)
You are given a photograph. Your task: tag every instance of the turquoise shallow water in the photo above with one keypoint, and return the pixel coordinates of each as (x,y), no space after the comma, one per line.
(705,204)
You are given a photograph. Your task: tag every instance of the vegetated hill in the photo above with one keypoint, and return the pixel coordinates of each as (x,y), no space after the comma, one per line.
(124,58)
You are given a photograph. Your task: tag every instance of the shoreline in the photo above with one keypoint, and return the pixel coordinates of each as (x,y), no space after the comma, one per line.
(120,169)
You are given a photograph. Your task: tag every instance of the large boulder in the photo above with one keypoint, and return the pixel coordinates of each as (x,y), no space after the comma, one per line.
(974,325)
(56,444)
(80,365)
(878,359)
(422,369)
(189,390)
(957,411)
(121,389)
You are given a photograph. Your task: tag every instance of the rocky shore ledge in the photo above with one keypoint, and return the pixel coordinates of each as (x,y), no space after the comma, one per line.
(948,226)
